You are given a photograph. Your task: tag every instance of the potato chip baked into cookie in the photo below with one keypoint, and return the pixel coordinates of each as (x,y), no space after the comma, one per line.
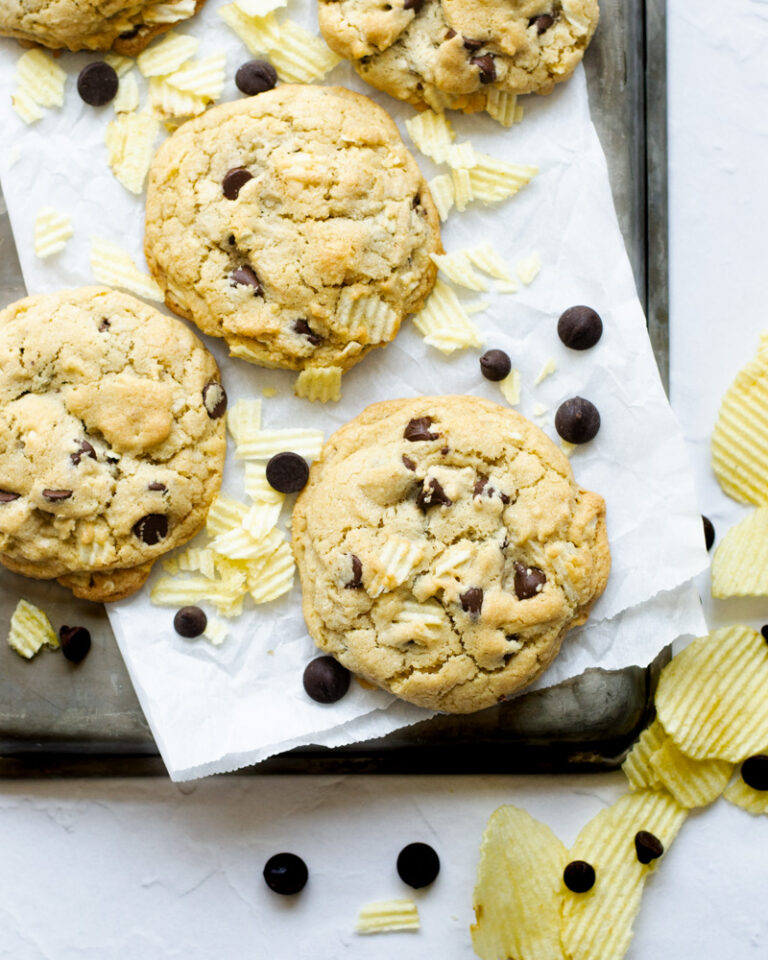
(445,550)
(294,224)
(460,54)
(111,438)
(125,26)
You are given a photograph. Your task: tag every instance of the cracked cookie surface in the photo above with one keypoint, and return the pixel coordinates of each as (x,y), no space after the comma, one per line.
(111,438)
(454,54)
(445,550)
(295,224)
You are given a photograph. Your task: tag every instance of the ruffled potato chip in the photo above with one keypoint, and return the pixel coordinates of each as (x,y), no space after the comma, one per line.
(740,563)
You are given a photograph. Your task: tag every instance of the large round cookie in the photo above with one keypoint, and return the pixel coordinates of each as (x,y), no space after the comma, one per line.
(458,53)
(295,224)
(111,438)
(125,26)
(445,549)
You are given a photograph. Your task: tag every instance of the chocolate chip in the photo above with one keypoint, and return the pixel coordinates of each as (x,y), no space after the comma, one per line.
(97,83)
(255,76)
(408,463)
(472,44)
(414,5)
(505,499)
(416,201)
(231,239)
(543,22)
(529,581)
(451,34)
(130,34)
(472,600)
(432,495)
(647,846)
(83,449)
(214,399)
(56,495)
(486,66)
(764,631)
(233,181)
(579,876)
(104,325)
(326,680)
(480,483)
(6,496)
(152,528)
(246,278)
(579,327)
(418,429)
(286,874)
(418,865)
(754,772)
(301,326)
(75,643)
(356,582)
(287,472)
(709,531)
(577,420)
(190,622)
(495,365)
(156,485)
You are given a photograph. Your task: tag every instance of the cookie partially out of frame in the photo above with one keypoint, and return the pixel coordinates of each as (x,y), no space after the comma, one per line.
(111,438)
(445,550)
(124,26)
(294,224)
(458,53)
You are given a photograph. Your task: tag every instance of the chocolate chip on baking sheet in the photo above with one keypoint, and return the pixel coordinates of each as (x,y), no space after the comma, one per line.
(301,326)
(418,865)
(486,66)
(579,327)
(214,400)
(408,463)
(56,495)
(432,495)
(647,846)
(287,472)
(84,449)
(577,420)
(542,23)
(418,429)
(234,180)
(286,874)
(75,643)
(528,581)
(579,876)
(495,365)
(472,600)
(97,83)
(245,277)
(6,496)
(255,76)
(356,582)
(152,528)
(326,680)
(156,485)
(709,532)
(754,772)
(190,622)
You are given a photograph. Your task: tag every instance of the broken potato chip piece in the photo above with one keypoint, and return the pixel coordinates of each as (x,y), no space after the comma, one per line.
(130,140)
(637,765)
(740,563)
(519,889)
(114,267)
(742,795)
(31,630)
(41,78)
(693,783)
(388,916)
(319,384)
(52,230)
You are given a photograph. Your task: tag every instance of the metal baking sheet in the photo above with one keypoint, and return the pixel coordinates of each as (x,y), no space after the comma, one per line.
(61,719)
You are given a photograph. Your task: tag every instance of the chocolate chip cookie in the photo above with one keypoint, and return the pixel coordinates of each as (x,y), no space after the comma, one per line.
(295,224)
(458,53)
(111,438)
(125,26)
(445,550)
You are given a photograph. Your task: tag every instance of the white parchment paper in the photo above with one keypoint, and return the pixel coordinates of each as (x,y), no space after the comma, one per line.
(216,709)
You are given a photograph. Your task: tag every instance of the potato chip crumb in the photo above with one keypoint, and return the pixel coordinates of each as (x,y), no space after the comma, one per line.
(457,268)
(443,322)
(462,188)
(546,371)
(388,916)
(244,418)
(528,268)
(26,107)
(114,267)
(487,258)
(510,387)
(266,443)
(215,631)
(432,133)
(319,384)
(121,65)
(166,55)
(171,12)
(746,797)
(202,78)
(127,98)
(30,631)
(40,77)
(540,409)
(740,563)
(269,391)
(503,107)
(52,230)
(130,140)
(441,188)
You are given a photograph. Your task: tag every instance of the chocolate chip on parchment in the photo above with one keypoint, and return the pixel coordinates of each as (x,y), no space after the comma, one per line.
(418,429)
(286,874)
(234,180)
(495,365)
(579,876)
(754,772)
(326,680)
(84,449)
(287,472)
(577,420)
(6,496)
(75,643)
(151,528)
(418,865)
(408,463)
(472,600)
(255,76)
(709,531)
(529,581)
(55,495)
(156,485)
(432,495)
(647,846)
(301,326)
(214,399)
(542,23)
(97,83)
(245,277)
(190,622)
(486,66)
(579,327)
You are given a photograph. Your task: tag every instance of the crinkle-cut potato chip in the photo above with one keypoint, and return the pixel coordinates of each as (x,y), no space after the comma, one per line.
(427,615)
(506,286)
(528,268)
(597,925)
(225,514)
(462,188)
(740,563)
(259,34)
(550,366)
(127,97)
(121,65)
(166,55)
(30,631)
(259,8)
(130,140)
(170,103)
(388,916)
(114,267)
(41,77)
(393,565)
(237,545)
(487,258)
(244,419)
(637,765)
(510,387)
(457,268)
(693,783)
(258,488)
(432,133)
(307,443)
(502,106)
(443,322)
(26,107)
(215,631)
(740,437)
(300,56)
(567,447)
(319,384)
(746,797)
(275,577)
(197,560)
(369,318)
(492,180)
(476,306)
(451,559)
(519,889)
(169,12)
(202,78)
(711,698)
(462,156)
(52,230)
(261,518)
(441,188)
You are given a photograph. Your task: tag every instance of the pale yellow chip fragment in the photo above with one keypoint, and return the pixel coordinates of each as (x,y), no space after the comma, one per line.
(319,384)
(300,56)
(367,319)
(746,797)
(388,916)
(711,699)
(258,487)
(237,544)
(492,180)
(443,322)
(166,55)
(244,419)
(266,443)
(487,258)
(597,925)
(127,97)
(262,517)
(269,391)
(40,77)
(528,268)
(168,102)
(215,631)
(462,156)
(393,565)
(130,140)
(259,34)
(202,78)
(121,65)
(519,889)
(432,133)
(462,188)
(169,12)
(546,371)
(452,558)
(196,560)
(510,387)
(52,230)
(259,8)
(26,107)
(275,578)
(30,631)
(503,107)
(114,267)
(637,765)
(441,188)
(457,268)
(540,409)
(568,448)
(693,783)
(476,306)
(740,563)
(224,514)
